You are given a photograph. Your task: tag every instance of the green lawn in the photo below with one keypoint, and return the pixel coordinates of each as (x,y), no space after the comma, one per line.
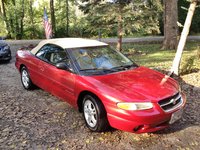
(152,56)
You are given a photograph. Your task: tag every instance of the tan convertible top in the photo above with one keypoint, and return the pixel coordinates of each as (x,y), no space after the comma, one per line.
(69,43)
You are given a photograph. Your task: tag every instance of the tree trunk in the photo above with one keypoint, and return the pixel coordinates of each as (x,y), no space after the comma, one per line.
(16,21)
(120,29)
(22,21)
(67,18)
(170,24)
(3,9)
(11,24)
(1,13)
(53,22)
(184,34)
(32,18)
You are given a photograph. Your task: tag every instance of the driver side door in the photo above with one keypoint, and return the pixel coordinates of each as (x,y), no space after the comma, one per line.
(59,82)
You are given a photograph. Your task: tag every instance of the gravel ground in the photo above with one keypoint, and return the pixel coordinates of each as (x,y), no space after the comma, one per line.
(37,120)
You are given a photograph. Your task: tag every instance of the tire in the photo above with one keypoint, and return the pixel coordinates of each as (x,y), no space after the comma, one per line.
(25,79)
(94,114)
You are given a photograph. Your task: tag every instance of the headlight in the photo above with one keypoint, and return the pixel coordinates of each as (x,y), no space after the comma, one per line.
(135,106)
(6,47)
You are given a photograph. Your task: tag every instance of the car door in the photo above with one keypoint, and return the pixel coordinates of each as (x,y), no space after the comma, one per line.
(37,63)
(58,82)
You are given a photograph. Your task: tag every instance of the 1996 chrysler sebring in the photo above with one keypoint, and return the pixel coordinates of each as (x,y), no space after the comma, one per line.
(107,87)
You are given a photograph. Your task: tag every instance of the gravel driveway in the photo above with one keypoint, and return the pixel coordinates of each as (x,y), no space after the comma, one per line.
(37,120)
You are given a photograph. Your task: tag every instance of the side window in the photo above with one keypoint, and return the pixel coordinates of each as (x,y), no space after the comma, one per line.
(53,54)
(42,52)
(56,55)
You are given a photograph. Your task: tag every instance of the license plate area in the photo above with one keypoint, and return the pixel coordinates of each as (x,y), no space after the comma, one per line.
(176,116)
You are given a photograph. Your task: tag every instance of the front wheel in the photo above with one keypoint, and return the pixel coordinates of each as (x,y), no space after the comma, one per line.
(94,114)
(25,79)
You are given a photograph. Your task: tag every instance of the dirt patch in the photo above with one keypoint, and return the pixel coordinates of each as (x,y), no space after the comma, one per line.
(37,120)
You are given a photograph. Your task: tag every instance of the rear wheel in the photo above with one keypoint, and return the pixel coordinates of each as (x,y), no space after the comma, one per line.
(94,114)
(25,79)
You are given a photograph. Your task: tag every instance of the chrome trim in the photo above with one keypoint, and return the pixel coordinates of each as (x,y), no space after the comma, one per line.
(171,102)
(175,107)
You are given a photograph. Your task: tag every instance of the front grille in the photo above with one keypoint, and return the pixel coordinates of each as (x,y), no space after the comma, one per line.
(171,103)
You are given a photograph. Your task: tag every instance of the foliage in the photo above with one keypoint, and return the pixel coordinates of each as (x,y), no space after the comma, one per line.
(77,24)
(183,6)
(3,30)
(188,64)
(137,16)
(191,63)
(150,55)
(183,9)
(35,29)
(19,22)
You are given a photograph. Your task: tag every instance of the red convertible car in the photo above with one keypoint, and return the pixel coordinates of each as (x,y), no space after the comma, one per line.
(106,86)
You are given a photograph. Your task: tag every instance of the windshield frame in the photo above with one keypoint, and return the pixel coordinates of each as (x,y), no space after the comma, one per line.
(97,71)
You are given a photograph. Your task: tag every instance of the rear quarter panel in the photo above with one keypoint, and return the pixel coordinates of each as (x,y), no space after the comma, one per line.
(25,58)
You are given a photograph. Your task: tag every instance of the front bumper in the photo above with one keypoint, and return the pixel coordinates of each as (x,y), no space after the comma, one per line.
(141,121)
(5,56)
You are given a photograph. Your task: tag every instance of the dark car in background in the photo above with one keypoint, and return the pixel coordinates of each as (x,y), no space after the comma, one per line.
(5,53)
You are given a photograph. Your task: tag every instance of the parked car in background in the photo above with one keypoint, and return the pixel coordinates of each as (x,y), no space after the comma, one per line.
(101,82)
(5,53)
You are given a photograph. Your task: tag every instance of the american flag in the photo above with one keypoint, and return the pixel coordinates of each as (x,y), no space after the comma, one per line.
(47,25)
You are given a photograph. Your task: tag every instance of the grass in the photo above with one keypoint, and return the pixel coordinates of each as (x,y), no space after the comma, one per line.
(152,56)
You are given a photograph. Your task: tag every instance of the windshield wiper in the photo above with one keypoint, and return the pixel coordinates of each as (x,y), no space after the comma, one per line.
(100,69)
(114,69)
(125,67)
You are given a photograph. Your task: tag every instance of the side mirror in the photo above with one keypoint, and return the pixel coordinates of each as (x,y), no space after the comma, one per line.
(63,66)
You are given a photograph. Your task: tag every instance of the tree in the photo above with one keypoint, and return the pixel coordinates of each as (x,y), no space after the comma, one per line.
(31,14)
(183,6)
(111,17)
(121,17)
(19,8)
(3,12)
(185,32)
(13,16)
(22,19)
(53,20)
(16,21)
(170,24)
(67,18)
(113,7)
(120,4)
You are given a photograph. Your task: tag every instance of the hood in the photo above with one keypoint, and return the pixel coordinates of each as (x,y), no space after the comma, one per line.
(140,84)
(2,44)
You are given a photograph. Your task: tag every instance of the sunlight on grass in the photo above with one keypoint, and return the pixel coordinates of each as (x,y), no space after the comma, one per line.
(152,56)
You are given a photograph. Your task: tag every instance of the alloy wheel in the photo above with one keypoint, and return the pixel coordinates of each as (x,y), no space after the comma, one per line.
(25,78)
(90,113)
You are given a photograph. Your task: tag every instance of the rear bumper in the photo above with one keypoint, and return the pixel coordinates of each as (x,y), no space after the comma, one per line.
(142,121)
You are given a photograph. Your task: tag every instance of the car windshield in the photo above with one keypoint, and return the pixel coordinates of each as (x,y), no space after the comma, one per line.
(100,60)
